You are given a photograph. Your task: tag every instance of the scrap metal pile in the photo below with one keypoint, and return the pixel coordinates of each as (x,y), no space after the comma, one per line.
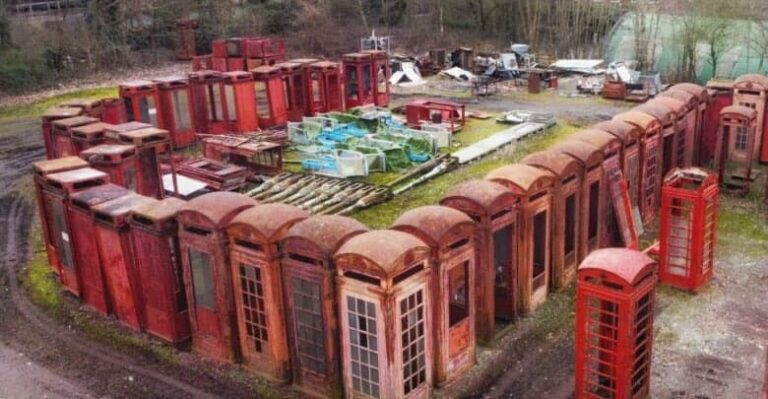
(319,195)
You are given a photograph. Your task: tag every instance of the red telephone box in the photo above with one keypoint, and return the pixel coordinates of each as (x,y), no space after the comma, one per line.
(116,160)
(184,39)
(258,287)
(62,134)
(450,234)
(295,88)
(241,102)
(495,209)
(592,187)
(57,189)
(359,79)
(533,186)
(309,290)
(92,108)
(207,273)
(734,150)
(48,117)
(611,148)
(325,93)
(650,156)
(381,73)
(668,143)
(721,96)
(113,239)
(566,212)
(385,315)
(630,137)
(141,101)
(615,301)
(686,106)
(750,91)
(688,228)
(701,95)
(149,143)
(177,108)
(210,102)
(155,239)
(113,111)
(270,96)
(42,170)
(683,142)
(88,136)
(113,132)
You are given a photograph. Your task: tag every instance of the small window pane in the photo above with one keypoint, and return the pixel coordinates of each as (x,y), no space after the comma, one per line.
(202,279)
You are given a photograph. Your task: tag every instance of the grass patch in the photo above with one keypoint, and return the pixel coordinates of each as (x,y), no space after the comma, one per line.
(38,107)
(381,216)
(37,279)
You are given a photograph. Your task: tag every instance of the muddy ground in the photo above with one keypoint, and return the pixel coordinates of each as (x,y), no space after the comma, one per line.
(710,345)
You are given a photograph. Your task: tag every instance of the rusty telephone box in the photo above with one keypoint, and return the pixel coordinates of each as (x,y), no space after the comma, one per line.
(381,73)
(450,234)
(650,161)
(47,119)
(358,79)
(630,159)
(702,102)
(734,150)
(592,187)
(177,109)
(309,291)
(295,84)
(88,136)
(204,249)
(686,107)
(254,235)
(495,210)
(209,101)
(385,315)
(47,221)
(116,160)
(611,148)
(149,143)
(667,141)
(534,187)
(721,96)
(113,111)
(688,228)
(270,96)
(62,231)
(325,88)
(155,239)
(62,134)
(566,212)
(113,240)
(141,101)
(241,102)
(750,91)
(615,301)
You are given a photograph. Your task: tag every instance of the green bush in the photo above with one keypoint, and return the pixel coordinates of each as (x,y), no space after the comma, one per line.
(21,71)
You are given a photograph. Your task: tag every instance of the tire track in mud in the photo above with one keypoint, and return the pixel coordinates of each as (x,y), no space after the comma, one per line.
(104,367)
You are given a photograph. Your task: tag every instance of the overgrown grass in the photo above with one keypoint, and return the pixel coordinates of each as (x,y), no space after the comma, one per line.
(38,279)
(381,216)
(38,107)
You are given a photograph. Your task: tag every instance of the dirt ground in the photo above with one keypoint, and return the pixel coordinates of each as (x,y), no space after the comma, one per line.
(710,345)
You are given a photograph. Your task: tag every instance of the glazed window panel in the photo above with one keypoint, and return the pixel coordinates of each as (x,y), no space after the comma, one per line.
(363,345)
(594,207)
(182,119)
(643,336)
(633,170)
(742,135)
(262,100)
(352,82)
(540,249)
(458,284)
(229,95)
(651,179)
(709,235)
(569,244)
(61,232)
(367,83)
(202,279)
(602,345)
(178,284)
(215,110)
(680,229)
(502,256)
(298,87)
(148,110)
(254,308)
(129,178)
(413,340)
(128,105)
(307,301)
